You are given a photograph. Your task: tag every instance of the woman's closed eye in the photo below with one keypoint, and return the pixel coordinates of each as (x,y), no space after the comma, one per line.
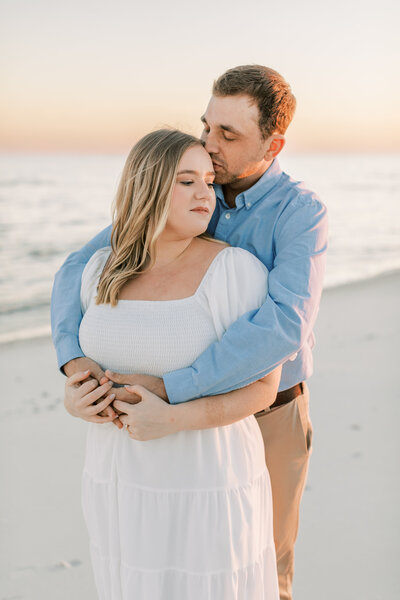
(208,183)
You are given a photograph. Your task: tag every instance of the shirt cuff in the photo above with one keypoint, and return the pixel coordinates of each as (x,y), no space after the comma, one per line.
(67,348)
(180,387)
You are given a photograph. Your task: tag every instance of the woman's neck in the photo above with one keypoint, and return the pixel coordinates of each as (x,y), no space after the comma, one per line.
(169,251)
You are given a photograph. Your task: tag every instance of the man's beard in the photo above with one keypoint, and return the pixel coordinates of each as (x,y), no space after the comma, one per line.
(223,177)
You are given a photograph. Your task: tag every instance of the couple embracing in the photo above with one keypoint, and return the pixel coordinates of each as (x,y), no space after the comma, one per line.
(185,331)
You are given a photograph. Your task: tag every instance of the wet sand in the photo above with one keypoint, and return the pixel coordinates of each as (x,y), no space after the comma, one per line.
(348,541)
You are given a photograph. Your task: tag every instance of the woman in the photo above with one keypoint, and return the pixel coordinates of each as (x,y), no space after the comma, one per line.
(188,515)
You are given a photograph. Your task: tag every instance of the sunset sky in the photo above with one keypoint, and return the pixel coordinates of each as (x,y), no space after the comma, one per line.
(93,76)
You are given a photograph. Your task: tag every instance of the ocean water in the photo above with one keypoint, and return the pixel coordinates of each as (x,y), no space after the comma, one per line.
(50,205)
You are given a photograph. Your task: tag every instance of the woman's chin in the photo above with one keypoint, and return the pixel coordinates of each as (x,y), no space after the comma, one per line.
(192,232)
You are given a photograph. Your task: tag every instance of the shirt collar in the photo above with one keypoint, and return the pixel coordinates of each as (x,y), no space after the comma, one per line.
(251,196)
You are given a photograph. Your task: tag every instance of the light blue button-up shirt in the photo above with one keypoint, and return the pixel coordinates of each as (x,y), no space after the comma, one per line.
(285,226)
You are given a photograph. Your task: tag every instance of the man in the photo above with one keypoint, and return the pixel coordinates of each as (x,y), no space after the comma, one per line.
(261,209)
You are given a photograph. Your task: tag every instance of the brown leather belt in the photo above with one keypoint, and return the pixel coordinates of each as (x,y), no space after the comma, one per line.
(285,397)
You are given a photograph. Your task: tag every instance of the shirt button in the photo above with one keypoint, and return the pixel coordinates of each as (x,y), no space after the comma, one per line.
(227,215)
(248,204)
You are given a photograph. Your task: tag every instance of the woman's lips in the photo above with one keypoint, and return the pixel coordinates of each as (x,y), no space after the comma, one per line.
(201,210)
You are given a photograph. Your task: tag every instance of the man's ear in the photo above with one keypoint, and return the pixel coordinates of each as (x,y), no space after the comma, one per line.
(275,143)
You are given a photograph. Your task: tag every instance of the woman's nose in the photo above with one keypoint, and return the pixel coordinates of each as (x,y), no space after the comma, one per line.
(202,190)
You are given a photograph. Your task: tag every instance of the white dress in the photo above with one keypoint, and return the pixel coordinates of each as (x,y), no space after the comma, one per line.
(187,516)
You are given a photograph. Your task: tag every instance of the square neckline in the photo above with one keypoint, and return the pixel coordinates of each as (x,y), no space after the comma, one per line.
(202,282)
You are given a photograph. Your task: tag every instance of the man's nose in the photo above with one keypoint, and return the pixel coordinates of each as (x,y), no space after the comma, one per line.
(210,143)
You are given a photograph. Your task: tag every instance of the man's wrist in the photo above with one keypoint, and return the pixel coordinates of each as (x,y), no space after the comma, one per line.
(72,366)
(162,393)
(155,385)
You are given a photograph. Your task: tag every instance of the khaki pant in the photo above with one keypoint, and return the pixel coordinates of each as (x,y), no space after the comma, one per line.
(287,434)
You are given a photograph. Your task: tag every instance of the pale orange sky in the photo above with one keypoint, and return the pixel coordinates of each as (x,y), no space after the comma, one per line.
(95,76)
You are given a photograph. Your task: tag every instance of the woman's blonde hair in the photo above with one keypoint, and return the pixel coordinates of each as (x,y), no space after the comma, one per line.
(141,207)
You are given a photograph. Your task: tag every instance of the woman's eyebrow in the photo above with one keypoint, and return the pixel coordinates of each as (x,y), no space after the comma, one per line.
(190,172)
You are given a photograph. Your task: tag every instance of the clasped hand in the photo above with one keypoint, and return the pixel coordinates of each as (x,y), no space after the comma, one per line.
(85,398)
(145,415)
(148,419)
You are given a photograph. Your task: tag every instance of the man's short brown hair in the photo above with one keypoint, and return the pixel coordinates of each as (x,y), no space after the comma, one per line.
(267,88)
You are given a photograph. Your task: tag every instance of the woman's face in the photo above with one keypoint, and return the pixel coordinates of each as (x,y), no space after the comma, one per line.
(193,197)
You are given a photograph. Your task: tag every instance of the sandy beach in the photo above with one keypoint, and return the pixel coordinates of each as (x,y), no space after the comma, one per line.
(349,528)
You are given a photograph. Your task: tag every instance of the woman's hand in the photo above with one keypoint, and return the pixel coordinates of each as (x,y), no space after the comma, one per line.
(80,398)
(149,419)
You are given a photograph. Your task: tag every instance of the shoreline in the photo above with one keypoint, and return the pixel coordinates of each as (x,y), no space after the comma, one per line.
(45,333)
(350,505)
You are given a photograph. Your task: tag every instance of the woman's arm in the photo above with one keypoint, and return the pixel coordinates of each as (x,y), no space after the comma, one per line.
(152,418)
(231,407)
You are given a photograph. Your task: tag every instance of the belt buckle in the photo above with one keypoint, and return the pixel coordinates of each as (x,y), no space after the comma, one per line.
(261,413)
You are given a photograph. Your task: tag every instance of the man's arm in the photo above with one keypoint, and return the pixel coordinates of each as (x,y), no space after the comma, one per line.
(66,313)
(261,340)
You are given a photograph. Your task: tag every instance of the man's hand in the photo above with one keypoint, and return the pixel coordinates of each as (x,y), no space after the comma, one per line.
(83,363)
(151,383)
(149,419)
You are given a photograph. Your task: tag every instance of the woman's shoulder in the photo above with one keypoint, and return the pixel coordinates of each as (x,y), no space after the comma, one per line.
(235,271)
(236,282)
(210,248)
(96,262)
(227,256)
(240,262)
(91,275)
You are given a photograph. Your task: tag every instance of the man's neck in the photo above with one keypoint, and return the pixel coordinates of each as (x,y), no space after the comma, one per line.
(231,190)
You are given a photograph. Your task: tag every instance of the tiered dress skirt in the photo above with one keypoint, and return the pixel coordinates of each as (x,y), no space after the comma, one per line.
(185,517)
